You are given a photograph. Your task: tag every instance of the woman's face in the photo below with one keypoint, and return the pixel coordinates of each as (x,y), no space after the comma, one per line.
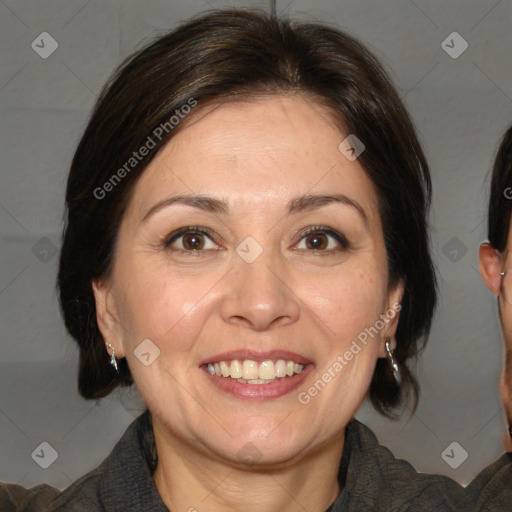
(506,301)
(492,264)
(281,259)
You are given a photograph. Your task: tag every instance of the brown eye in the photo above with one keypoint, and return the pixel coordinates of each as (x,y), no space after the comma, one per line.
(317,241)
(323,240)
(193,241)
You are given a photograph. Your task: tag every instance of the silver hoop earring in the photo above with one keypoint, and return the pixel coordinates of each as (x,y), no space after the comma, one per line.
(394,366)
(113,360)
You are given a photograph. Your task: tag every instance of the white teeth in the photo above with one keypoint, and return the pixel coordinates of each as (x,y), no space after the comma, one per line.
(235,370)
(266,370)
(249,369)
(280,368)
(252,372)
(255,381)
(224,369)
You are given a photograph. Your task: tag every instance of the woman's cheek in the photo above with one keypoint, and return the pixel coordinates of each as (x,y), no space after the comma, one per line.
(343,303)
(507,327)
(160,297)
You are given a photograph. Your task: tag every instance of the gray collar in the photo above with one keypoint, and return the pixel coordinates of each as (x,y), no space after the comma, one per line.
(371,478)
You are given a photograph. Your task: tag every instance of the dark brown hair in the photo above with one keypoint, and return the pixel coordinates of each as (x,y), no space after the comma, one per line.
(237,54)
(500,199)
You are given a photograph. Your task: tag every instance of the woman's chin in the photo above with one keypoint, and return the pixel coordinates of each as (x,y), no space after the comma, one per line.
(254,447)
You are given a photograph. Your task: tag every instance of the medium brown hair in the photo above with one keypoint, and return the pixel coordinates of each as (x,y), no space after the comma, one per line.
(238,54)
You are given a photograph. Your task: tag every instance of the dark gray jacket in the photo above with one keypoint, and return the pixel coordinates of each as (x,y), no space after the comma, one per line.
(491,490)
(371,478)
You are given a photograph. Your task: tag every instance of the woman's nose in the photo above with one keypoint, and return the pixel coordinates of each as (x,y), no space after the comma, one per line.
(258,291)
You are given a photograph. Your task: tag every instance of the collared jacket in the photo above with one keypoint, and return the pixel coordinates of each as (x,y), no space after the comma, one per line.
(370,477)
(491,490)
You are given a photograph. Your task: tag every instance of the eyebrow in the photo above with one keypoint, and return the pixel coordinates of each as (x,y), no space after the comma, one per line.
(299,204)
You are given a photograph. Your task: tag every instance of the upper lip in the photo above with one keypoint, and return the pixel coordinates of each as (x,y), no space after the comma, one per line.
(253,355)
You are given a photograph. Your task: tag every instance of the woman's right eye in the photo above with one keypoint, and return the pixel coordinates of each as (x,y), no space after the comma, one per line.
(190,240)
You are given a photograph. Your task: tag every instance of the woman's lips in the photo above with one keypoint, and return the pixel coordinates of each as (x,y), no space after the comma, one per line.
(276,389)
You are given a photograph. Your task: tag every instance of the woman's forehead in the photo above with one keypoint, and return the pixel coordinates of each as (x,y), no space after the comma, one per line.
(270,125)
(272,148)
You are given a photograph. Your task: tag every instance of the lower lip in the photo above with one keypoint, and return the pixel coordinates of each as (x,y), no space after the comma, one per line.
(276,389)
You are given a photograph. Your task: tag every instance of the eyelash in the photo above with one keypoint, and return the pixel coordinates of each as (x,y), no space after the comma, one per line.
(340,238)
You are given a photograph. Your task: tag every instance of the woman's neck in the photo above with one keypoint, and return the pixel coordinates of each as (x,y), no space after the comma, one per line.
(190,481)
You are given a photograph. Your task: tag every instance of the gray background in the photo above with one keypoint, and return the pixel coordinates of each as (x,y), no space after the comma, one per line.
(461,108)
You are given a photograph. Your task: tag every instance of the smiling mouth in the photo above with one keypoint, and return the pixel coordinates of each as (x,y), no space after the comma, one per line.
(248,371)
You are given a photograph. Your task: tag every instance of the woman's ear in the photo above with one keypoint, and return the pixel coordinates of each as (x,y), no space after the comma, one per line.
(106,315)
(391,316)
(489,260)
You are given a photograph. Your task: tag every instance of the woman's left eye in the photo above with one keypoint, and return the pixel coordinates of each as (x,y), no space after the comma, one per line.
(322,240)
